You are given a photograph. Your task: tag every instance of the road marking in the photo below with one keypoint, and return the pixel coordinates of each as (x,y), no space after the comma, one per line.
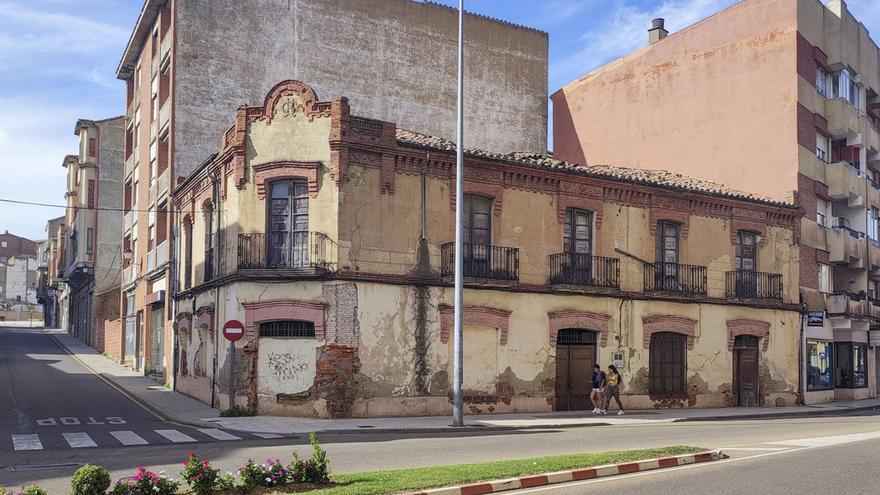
(175,436)
(218,434)
(731,449)
(831,440)
(129,438)
(267,435)
(79,440)
(26,442)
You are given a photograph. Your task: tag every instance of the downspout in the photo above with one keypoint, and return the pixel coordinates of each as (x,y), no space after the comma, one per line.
(216,273)
(801,396)
(175,287)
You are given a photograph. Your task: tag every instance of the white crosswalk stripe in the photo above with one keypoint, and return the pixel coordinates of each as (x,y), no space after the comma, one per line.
(218,434)
(175,436)
(128,437)
(26,442)
(79,440)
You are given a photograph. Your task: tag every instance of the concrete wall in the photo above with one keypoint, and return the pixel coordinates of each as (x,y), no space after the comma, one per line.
(109,222)
(395,60)
(679,104)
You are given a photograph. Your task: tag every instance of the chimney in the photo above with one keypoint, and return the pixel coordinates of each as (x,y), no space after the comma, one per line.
(657,31)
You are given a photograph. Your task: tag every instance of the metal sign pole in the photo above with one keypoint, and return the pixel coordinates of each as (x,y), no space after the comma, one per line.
(231,374)
(457,402)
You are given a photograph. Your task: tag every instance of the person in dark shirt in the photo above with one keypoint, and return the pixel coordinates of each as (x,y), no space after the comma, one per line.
(597,396)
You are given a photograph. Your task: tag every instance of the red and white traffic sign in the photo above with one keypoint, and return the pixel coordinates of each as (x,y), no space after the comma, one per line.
(233,330)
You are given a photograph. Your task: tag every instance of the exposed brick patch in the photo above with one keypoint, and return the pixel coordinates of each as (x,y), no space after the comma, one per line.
(579,319)
(342,325)
(806,128)
(806,59)
(268,172)
(748,327)
(475,315)
(335,378)
(281,309)
(668,323)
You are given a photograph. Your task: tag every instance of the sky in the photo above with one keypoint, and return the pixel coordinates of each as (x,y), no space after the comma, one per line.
(58,63)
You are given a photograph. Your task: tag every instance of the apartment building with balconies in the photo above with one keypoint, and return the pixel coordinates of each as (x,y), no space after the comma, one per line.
(774,97)
(188,65)
(329,236)
(91,229)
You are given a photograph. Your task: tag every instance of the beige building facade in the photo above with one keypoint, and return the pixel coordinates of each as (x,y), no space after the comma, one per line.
(189,64)
(327,235)
(779,98)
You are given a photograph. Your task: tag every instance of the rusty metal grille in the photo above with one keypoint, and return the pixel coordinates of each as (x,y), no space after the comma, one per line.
(575,336)
(287,329)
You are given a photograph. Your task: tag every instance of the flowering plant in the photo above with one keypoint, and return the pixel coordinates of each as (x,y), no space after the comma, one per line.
(28,490)
(145,483)
(199,475)
(271,473)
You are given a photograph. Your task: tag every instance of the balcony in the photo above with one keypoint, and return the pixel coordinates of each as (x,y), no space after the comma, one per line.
(675,279)
(846,245)
(158,257)
(164,116)
(287,254)
(162,184)
(129,164)
(873,193)
(129,220)
(755,286)
(843,118)
(874,307)
(129,274)
(846,182)
(165,51)
(874,254)
(576,271)
(847,304)
(482,264)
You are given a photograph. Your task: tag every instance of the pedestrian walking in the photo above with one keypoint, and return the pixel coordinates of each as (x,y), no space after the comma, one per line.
(613,390)
(597,395)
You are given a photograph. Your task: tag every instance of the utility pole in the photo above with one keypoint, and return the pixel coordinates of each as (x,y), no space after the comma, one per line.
(457,399)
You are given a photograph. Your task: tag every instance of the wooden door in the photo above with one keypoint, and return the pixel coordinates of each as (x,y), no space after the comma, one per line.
(575,357)
(745,371)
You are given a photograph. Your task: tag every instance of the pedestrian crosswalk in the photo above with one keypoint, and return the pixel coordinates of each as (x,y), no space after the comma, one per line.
(126,438)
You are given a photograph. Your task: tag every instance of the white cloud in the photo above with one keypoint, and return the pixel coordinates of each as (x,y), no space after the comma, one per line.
(624,30)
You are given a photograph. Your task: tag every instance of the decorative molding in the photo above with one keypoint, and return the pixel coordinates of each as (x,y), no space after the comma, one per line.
(475,315)
(204,317)
(760,329)
(669,209)
(282,309)
(668,323)
(265,173)
(579,319)
(494,191)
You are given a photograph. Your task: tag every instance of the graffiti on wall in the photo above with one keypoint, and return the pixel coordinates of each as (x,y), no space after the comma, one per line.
(286,366)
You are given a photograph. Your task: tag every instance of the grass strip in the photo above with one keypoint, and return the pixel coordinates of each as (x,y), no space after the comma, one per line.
(405,480)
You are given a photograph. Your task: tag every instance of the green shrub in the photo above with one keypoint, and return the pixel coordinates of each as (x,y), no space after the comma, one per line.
(317,469)
(145,482)
(90,480)
(199,475)
(33,490)
(225,482)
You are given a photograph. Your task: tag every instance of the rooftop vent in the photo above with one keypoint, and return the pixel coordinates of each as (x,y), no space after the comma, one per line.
(657,31)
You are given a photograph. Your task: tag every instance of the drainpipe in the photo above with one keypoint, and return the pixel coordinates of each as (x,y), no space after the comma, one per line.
(801,397)
(175,287)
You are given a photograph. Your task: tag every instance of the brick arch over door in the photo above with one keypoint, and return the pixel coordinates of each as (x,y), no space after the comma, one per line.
(668,323)
(579,319)
(760,329)
(475,315)
(286,309)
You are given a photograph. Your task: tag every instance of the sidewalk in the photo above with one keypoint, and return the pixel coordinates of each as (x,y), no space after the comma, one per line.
(179,408)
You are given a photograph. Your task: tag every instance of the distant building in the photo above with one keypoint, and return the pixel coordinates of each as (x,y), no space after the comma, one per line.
(50,284)
(12,245)
(774,97)
(19,274)
(93,256)
(188,65)
(331,240)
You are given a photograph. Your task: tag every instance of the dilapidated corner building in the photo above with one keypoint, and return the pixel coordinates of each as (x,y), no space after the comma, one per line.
(329,236)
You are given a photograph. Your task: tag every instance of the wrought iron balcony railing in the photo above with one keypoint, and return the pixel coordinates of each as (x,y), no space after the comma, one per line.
(745,284)
(675,278)
(584,270)
(481,261)
(288,250)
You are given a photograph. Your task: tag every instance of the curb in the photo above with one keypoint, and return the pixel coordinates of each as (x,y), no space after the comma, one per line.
(416,431)
(796,414)
(574,475)
(160,415)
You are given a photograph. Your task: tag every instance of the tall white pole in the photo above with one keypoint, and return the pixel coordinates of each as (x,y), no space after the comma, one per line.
(457,399)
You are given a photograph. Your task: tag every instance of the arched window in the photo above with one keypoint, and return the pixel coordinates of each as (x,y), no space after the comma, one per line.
(667,364)
(187,253)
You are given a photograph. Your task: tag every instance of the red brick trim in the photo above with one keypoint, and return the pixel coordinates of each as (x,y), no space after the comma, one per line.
(669,210)
(579,319)
(282,309)
(475,315)
(821,124)
(268,172)
(304,93)
(748,327)
(806,59)
(758,227)
(806,128)
(494,190)
(820,57)
(204,317)
(668,323)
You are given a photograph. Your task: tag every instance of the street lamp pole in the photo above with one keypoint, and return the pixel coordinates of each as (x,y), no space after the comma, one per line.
(457,399)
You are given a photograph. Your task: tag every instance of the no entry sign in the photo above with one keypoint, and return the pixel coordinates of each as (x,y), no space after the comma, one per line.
(233,330)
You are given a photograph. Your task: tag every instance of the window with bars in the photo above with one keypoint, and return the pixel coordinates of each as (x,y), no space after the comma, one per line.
(575,336)
(297,329)
(667,364)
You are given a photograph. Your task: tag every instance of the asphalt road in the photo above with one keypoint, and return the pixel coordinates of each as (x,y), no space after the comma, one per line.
(38,380)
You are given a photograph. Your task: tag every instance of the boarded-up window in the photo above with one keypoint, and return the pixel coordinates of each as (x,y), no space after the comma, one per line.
(288,329)
(91,194)
(667,364)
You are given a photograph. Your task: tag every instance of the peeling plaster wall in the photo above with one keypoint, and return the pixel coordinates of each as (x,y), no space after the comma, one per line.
(286,366)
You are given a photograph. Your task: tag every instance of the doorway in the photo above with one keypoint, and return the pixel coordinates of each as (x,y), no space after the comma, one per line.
(289,224)
(575,357)
(745,370)
(157,341)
